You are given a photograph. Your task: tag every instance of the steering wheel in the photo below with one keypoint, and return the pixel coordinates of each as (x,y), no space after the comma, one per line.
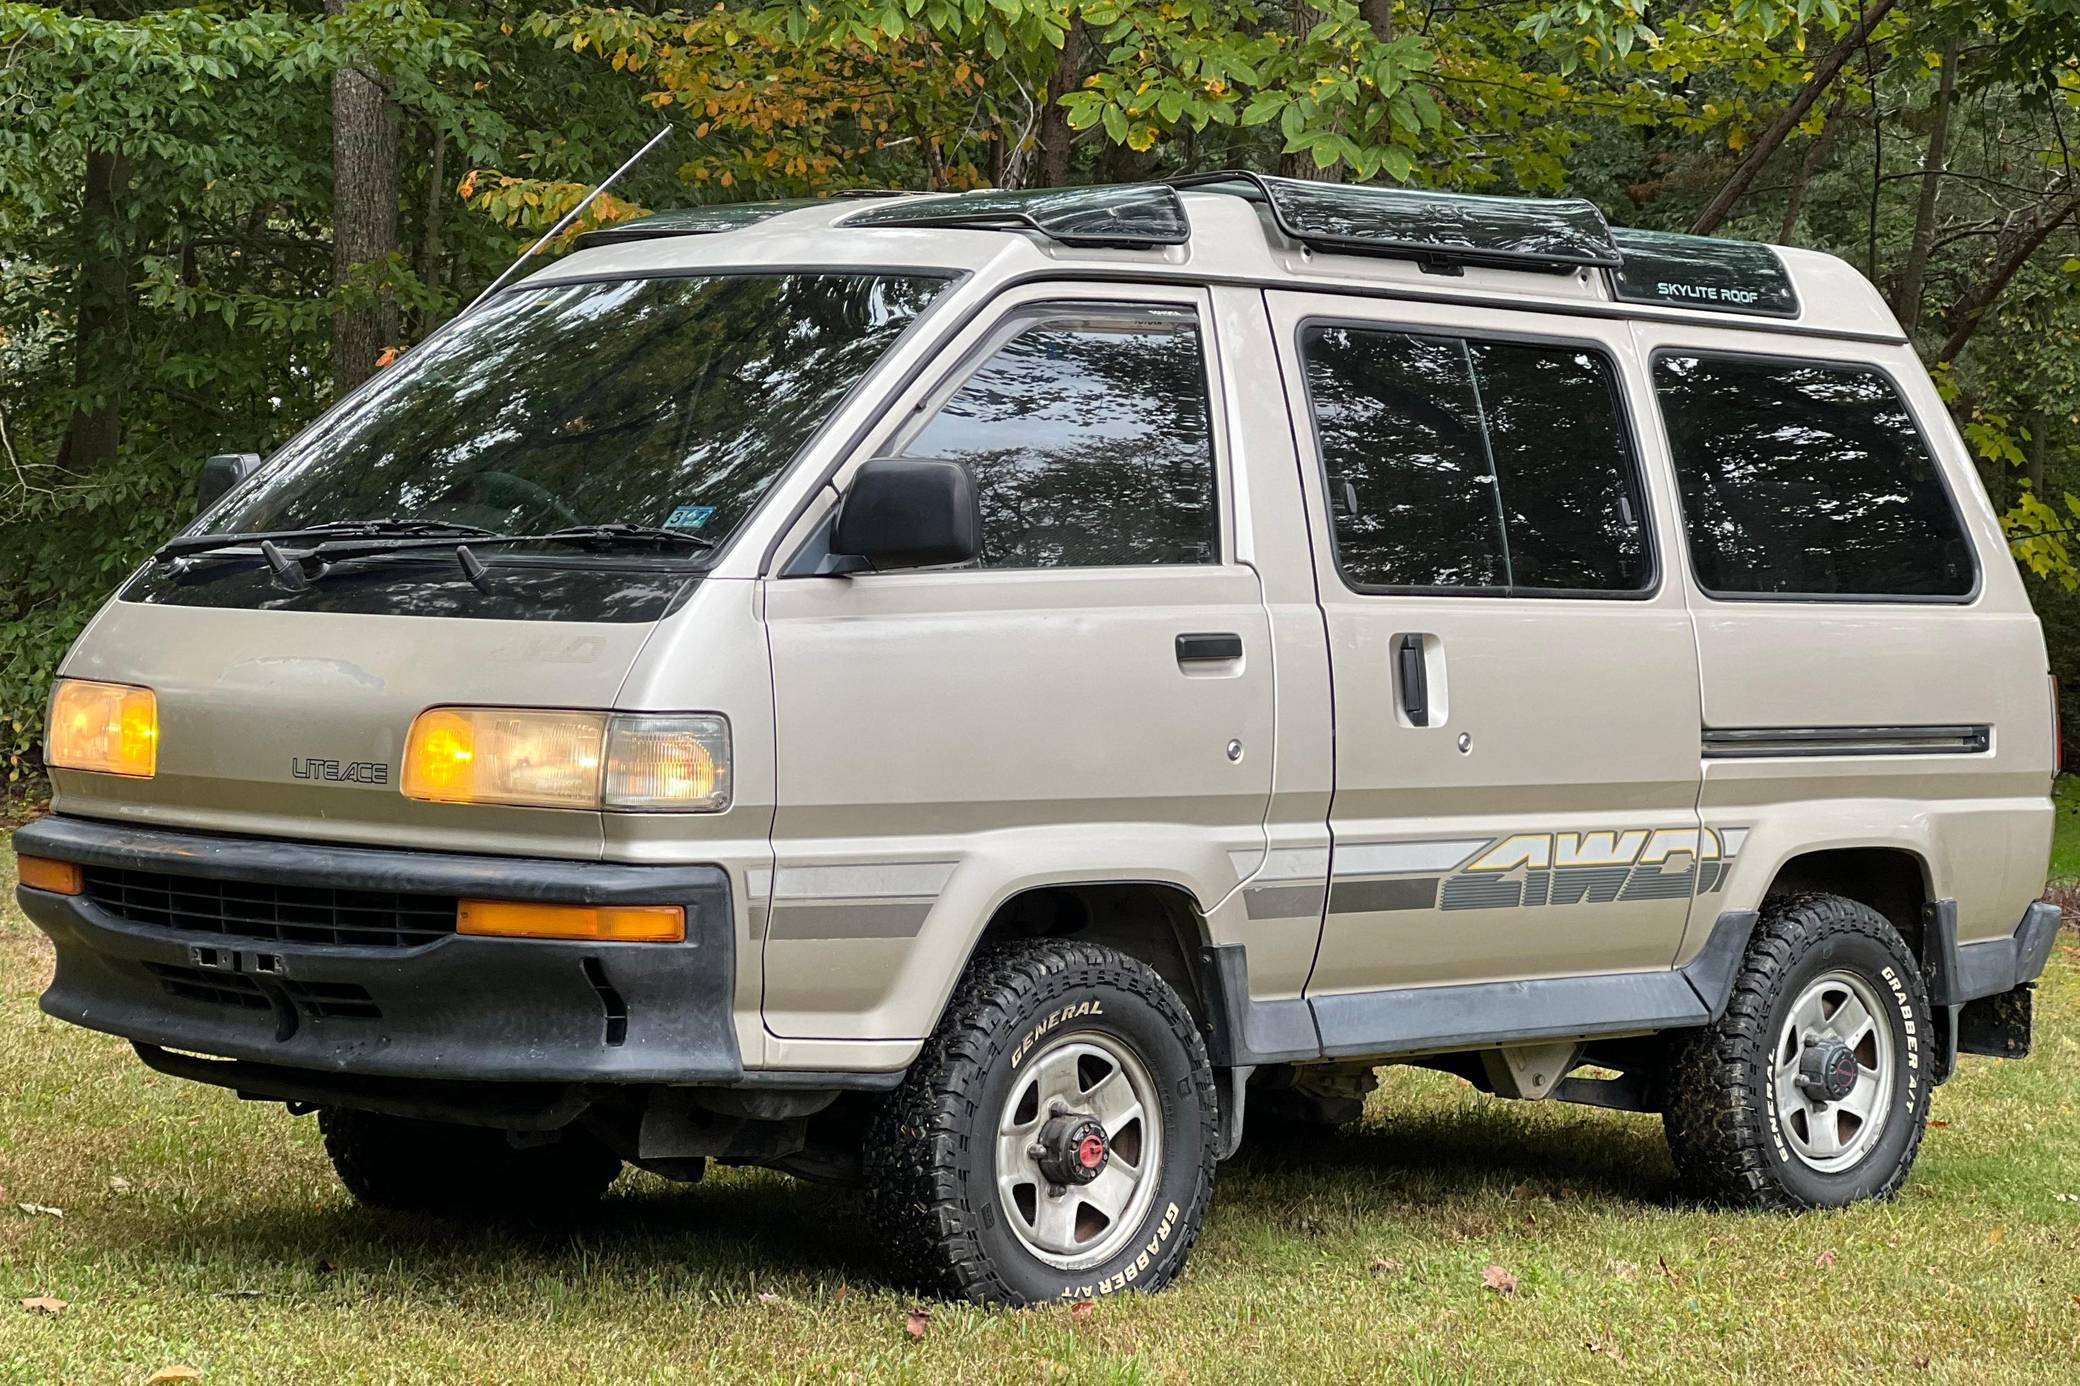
(517,492)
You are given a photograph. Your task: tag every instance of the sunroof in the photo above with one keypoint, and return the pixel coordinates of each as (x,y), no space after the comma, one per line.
(1434,227)
(1702,272)
(702,221)
(1125,214)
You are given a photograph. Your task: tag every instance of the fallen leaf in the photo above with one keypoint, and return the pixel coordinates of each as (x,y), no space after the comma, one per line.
(326,1268)
(2065,1198)
(179,1371)
(1082,1309)
(768,1297)
(1499,1280)
(1605,1348)
(43,1304)
(1673,1278)
(1824,1259)
(1386,1265)
(1939,1126)
(914,1322)
(118,1184)
(41,1210)
(838,1295)
(1994,1237)
(389,355)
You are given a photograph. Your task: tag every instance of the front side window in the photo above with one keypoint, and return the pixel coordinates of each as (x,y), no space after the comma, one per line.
(1807,478)
(672,402)
(1090,438)
(1477,466)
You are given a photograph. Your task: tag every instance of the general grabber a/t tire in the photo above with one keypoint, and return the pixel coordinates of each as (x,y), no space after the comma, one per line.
(1055,1138)
(1812,1090)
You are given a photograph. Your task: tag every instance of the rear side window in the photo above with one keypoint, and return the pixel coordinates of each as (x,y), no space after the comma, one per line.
(1475,466)
(1805,478)
(1090,438)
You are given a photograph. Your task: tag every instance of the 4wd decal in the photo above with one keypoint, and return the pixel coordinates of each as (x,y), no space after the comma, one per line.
(1530,870)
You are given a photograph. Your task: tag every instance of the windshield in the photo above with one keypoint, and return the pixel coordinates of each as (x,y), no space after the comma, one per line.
(668,402)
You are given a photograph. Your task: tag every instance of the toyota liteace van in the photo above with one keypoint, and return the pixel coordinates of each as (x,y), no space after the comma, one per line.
(988,697)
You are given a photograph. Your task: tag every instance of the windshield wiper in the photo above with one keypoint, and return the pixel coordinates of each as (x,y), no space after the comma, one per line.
(335,529)
(297,568)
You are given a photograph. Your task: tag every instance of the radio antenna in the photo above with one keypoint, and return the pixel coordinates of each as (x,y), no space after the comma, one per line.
(565,220)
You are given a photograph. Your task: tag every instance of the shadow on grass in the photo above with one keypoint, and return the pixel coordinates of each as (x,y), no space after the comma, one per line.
(1466,1155)
(743,1231)
(734,1231)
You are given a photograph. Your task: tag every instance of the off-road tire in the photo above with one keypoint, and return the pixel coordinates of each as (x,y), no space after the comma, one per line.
(1716,1086)
(930,1149)
(435,1167)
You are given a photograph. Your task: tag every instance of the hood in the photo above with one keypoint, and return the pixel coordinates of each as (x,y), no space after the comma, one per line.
(291,724)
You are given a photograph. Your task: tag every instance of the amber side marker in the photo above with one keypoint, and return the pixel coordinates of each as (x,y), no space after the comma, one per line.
(604,923)
(57,877)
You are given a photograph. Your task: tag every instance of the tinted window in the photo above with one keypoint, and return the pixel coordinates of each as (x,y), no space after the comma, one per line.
(1492,466)
(669,401)
(1801,477)
(1091,443)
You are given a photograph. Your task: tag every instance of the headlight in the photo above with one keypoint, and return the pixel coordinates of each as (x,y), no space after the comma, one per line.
(110,727)
(586,760)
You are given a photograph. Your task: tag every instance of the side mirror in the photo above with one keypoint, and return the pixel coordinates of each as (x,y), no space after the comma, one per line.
(220,474)
(908,512)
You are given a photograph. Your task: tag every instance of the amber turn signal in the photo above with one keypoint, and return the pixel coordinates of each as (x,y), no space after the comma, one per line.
(605,923)
(57,877)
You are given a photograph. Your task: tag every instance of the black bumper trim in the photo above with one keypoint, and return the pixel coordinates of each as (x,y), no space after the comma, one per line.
(2000,965)
(485,1010)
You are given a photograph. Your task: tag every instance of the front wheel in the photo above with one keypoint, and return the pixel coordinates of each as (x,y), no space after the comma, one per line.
(1055,1139)
(1813,1089)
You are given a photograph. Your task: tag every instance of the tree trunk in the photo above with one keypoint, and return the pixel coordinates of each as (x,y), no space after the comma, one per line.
(1787,120)
(364,214)
(1300,163)
(1056,137)
(437,195)
(1380,15)
(1906,303)
(101,348)
(2011,250)
(1823,145)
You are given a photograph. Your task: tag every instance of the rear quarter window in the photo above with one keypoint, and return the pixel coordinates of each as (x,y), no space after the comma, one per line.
(1807,479)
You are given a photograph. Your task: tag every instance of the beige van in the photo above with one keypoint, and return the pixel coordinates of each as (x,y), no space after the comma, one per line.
(983,696)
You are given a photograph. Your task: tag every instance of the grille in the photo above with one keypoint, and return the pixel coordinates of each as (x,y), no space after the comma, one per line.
(317,1000)
(272,913)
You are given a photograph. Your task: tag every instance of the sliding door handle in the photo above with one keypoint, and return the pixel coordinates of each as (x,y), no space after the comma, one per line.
(1413,680)
(1204,648)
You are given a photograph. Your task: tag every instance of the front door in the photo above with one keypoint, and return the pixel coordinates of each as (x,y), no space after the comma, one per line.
(1514,671)
(1090,701)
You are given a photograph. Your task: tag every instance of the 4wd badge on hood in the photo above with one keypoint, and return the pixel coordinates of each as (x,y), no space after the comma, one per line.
(339,772)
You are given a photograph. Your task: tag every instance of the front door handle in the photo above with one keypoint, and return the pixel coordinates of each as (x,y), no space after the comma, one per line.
(1209,648)
(1413,680)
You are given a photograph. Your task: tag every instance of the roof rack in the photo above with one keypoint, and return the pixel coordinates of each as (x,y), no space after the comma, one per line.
(1445,230)
(1702,272)
(712,218)
(1127,215)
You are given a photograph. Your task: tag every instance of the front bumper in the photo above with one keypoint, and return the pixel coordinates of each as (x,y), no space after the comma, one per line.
(460,1008)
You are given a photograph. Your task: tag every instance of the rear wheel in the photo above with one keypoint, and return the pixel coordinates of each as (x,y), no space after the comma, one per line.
(1055,1139)
(1812,1090)
(439,1167)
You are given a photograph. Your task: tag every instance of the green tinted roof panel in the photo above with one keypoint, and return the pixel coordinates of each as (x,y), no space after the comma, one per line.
(1126,214)
(1702,272)
(708,220)
(1410,223)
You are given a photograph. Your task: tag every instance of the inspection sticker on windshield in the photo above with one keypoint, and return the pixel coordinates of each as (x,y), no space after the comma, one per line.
(690,517)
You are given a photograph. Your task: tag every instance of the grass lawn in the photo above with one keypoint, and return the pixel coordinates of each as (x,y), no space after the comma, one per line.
(203,1231)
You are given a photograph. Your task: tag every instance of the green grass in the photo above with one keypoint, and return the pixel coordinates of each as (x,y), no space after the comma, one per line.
(228,1246)
(2065,834)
